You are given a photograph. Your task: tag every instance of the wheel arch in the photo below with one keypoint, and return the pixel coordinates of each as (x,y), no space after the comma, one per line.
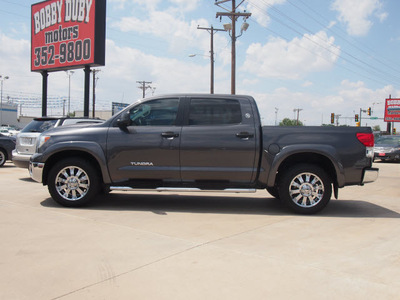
(322,160)
(56,157)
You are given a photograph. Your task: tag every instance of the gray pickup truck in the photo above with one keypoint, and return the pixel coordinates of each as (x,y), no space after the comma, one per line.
(196,142)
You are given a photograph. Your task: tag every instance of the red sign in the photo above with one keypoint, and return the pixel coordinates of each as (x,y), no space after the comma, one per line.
(67,34)
(392,110)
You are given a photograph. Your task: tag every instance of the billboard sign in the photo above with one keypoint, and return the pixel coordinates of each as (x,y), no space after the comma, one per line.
(392,110)
(117,107)
(67,34)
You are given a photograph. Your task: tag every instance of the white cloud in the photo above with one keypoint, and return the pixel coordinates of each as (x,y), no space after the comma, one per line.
(316,108)
(357,14)
(292,60)
(166,25)
(127,65)
(259,10)
(363,96)
(178,5)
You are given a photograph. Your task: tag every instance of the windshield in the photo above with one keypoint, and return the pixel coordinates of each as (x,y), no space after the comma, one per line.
(39,125)
(388,140)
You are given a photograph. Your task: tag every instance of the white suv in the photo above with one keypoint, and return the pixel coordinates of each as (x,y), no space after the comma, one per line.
(26,139)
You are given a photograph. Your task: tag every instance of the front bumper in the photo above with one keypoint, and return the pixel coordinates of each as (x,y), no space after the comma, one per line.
(36,171)
(387,155)
(20,160)
(370,175)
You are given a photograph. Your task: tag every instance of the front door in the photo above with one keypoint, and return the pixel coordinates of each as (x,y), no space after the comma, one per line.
(149,147)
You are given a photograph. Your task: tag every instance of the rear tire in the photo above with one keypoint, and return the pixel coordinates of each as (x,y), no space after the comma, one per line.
(73,182)
(305,188)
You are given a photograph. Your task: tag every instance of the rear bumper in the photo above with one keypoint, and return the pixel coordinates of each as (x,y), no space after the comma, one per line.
(370,175)
(20,160)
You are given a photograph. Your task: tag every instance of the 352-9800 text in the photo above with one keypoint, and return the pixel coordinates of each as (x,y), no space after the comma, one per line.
(73,51)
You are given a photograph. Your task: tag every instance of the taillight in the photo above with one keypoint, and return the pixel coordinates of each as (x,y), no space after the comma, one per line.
(367,139)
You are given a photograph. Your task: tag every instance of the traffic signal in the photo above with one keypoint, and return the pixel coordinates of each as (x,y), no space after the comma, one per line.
(369,111)
(358,124)
(332,118)
(394,130)
(356,118)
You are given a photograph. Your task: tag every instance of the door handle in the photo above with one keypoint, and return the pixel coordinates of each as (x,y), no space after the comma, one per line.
(169,135)
(244,135)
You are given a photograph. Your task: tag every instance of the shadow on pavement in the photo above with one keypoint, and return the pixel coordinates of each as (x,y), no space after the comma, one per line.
(27,179)
(162,204)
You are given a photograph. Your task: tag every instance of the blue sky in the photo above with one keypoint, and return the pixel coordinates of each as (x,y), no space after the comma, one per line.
(318,56)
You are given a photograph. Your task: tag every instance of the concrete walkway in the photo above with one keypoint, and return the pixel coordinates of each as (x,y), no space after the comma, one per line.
(199,246)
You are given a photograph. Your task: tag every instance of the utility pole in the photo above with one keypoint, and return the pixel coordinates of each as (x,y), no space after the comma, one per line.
(94,91)
(211,30)
(143,86)
(233,15)
(298,113)
(337,119)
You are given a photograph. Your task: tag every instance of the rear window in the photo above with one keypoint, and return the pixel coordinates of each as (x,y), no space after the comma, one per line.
(80,121)
(39,125)
(388,140)
(214,112)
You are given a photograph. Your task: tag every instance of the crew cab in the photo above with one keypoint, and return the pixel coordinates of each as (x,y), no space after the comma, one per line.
(196,142)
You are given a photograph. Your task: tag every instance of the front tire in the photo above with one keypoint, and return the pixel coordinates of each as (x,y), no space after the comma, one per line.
(3,157)
(273,191)
(73,182)
(305,188)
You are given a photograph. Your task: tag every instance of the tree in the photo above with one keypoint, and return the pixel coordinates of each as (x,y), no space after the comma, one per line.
(289,122)
(376,128)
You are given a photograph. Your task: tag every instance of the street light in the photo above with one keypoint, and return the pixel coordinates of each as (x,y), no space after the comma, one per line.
(211,70)
(1,97)
(69,74)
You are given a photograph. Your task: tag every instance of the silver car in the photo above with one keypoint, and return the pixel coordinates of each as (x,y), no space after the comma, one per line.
(26,139)
(387,147)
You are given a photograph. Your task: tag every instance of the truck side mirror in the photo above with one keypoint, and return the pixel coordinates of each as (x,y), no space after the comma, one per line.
(124,120)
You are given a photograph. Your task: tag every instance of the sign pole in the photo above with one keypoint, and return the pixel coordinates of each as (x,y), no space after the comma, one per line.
(45,74)
(87,92)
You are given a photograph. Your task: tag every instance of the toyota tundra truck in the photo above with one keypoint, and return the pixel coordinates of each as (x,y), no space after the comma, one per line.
(202,142)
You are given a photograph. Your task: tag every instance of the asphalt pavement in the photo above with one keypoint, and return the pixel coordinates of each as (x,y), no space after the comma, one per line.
(152,245)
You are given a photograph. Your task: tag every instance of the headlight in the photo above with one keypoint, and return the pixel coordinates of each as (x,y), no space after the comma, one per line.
(41,141)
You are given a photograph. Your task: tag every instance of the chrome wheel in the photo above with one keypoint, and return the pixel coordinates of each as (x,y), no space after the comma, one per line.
(306,190)
(72,183)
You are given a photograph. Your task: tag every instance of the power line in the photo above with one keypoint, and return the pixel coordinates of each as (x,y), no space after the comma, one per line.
(350,61)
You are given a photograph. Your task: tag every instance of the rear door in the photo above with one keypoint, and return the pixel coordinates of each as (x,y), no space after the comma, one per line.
(218,140)
(147,149)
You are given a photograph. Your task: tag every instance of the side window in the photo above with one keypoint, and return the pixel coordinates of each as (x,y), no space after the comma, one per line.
(214,112)
(159,112)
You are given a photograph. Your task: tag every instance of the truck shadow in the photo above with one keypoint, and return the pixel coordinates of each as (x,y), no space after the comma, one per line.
(162,204)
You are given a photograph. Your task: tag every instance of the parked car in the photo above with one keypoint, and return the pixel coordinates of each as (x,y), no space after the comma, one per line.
(387,147)
(7,144)
(26,139)
(8,130)
(198,142)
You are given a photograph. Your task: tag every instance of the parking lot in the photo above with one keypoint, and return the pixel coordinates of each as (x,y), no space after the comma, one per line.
(199,246)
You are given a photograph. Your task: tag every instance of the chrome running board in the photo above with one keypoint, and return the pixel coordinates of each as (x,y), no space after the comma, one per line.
(173,189)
